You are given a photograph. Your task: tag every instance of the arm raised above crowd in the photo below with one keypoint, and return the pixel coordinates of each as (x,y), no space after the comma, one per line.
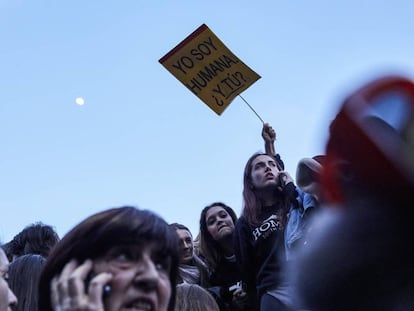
(269,137)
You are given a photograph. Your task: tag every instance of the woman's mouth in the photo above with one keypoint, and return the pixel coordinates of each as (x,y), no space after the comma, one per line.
(141,304)
(221,227)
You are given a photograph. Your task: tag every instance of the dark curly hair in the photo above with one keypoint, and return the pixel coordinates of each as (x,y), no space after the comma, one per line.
(37,238)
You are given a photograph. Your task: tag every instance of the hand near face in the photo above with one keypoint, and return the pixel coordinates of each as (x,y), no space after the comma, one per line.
(284,178)
(69,292)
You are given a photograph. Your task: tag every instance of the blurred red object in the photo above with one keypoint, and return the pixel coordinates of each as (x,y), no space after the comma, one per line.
(374,132)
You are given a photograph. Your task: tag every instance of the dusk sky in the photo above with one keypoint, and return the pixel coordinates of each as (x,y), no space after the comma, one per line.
(89,119)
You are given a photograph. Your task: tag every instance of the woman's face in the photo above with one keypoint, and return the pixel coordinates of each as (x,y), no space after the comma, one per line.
(264,173)
(219,223)
(141,278)
(7,298)
(186,245)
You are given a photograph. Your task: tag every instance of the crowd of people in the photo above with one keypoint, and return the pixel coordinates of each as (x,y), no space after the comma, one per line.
(335,238)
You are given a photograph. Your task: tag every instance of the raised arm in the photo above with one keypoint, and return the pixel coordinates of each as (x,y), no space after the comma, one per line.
(269,137)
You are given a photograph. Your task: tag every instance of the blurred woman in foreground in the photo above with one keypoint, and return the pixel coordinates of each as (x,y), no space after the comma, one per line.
(121,258)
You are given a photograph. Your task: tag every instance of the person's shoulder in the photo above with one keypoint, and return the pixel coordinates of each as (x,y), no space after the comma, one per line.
(199,262)
(241,224)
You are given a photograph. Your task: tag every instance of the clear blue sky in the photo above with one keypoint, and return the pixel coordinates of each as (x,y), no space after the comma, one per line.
(141,137)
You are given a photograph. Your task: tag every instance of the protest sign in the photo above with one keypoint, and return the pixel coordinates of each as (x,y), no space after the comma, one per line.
(209,69)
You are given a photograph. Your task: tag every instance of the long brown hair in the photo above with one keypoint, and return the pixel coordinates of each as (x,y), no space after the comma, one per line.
(252,205)
(209,248)
(24,274)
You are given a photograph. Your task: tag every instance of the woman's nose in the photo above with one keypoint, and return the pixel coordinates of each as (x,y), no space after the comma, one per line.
(12,298)
(147,275)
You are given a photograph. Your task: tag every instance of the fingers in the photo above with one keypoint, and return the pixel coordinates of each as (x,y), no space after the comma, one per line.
(267,128)
(268,133)
(59,285)
(264,129)
(54,294)
(76,280)
(96,286)
(68,288)
(285,178)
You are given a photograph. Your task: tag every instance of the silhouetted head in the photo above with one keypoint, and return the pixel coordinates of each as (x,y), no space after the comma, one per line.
(36,238)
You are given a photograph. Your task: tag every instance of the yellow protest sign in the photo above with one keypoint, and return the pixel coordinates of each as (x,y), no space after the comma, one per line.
(209,69)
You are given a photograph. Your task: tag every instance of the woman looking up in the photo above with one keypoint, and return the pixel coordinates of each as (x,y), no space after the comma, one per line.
(268,195)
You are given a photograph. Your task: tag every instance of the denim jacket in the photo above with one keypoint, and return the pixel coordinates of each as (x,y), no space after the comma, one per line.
(298,222)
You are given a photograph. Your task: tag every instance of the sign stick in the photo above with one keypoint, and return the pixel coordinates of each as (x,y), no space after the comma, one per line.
(251,109)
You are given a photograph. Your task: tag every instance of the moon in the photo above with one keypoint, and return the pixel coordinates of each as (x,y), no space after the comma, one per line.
(79,101)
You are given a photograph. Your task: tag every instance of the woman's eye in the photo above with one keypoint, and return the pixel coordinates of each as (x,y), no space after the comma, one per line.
(123,257)
(259,165)
(122,260)
(162,264)
(159,266)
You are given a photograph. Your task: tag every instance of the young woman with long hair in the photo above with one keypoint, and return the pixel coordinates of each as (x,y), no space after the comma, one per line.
(216,248)
(269,193)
